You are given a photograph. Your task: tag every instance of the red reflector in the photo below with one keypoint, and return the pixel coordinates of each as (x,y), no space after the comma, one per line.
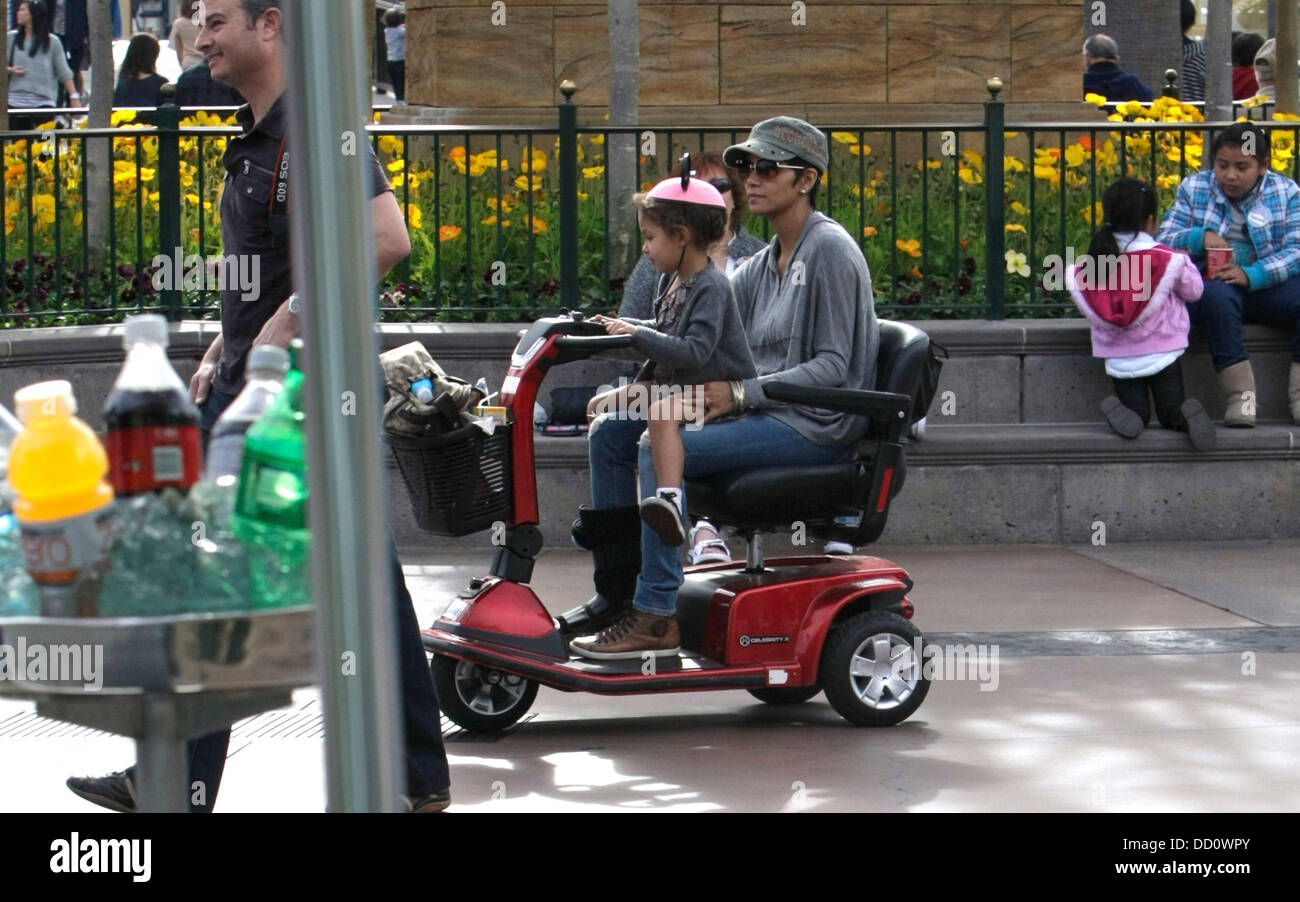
(883,500)
(906,609)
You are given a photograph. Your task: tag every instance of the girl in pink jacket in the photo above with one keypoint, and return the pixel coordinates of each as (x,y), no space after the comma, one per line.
(1134,292)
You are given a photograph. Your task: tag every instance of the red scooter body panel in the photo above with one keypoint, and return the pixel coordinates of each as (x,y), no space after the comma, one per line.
(503,607)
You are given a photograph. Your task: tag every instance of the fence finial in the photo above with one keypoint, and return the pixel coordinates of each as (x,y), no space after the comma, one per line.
(994,86)
(1171,84)
(568,89)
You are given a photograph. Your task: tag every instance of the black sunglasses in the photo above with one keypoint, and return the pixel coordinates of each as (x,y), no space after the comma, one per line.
(722,184)
(766,169)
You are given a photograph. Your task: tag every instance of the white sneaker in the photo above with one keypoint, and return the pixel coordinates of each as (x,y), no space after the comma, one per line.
(665,518)
(839,548)
(709,551)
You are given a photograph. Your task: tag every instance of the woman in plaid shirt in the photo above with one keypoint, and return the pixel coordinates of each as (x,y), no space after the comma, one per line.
(1243,205)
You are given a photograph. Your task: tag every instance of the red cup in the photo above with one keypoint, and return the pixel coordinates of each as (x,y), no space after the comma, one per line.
(1216,257)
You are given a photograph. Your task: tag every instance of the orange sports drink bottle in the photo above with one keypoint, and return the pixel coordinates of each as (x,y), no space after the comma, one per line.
(64,506)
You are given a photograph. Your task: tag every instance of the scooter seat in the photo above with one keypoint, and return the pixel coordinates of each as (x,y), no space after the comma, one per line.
(774,496)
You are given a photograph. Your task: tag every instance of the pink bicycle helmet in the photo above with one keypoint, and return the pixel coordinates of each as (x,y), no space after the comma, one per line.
(687,190)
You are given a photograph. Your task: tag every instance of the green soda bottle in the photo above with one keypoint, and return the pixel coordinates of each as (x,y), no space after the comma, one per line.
(270,516)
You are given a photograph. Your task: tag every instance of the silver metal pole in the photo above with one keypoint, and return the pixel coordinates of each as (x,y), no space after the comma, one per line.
(334,271)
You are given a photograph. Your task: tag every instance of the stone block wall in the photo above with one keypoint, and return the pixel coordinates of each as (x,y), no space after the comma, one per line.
(722,63)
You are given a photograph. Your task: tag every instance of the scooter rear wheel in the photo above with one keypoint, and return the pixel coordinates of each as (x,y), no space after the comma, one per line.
(478,698)
(871,671)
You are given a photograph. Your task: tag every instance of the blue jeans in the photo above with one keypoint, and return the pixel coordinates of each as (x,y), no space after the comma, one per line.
(1223,308)
(426,759)
(615,449)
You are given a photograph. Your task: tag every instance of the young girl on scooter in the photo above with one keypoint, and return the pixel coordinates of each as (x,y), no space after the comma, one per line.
(1134,292)
(695,337)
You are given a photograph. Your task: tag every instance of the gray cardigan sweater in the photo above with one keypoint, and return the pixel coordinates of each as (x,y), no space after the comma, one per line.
(707,345)
(639,292)
(815,327)
(44,71)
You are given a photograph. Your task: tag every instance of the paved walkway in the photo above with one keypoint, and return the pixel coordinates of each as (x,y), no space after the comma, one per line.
(1135,678)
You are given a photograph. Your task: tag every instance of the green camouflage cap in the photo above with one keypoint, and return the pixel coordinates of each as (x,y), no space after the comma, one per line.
(782,138)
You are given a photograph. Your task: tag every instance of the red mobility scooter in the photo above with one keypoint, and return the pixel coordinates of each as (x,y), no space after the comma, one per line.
(783,629)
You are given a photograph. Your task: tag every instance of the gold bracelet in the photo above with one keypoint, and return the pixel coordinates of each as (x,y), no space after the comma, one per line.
(737,397)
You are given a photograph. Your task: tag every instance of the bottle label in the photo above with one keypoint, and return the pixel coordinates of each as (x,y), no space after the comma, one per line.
(273,495)
(61,554)
(146,458)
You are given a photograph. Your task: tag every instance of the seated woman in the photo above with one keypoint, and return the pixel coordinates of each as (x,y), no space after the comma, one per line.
(138,81)
(1244,207)
(806,306)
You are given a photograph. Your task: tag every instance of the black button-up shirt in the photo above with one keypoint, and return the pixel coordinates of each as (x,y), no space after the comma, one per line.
(255,232)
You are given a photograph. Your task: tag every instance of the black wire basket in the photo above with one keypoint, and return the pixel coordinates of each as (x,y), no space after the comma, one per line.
(460,481)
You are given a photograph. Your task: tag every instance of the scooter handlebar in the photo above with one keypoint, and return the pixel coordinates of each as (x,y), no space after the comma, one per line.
(592,344)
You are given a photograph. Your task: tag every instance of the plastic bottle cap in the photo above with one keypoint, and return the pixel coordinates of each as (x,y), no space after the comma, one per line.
(146,327)
(269,357)
(45,399)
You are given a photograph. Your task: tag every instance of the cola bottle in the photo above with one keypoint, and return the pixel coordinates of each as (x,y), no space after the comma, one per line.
(152,425)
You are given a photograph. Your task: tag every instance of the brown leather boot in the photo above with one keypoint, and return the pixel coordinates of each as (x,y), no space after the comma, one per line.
(631,637)
(1237,383)
(1293,392)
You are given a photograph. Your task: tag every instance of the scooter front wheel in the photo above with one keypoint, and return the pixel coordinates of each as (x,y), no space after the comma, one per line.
(871,669)
(478,698)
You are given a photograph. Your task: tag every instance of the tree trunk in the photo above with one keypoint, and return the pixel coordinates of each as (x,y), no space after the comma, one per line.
(1218,64)
(98,157)
(1284,59)
(624,99)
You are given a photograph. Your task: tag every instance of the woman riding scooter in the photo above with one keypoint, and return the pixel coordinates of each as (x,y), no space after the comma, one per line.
(806,304)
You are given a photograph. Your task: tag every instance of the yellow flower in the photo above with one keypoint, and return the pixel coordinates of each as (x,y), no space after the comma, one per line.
(448,233)
(193,199)
(1094,98)
(536,164)
(1169,181)
(969,175)
(910,246)
(845,137)
(1131,108)
(869,231)
(593,172)
(399,165)
(1106,157)
(43,208)
(539,225)
(1012,164)
(933,164)
(1018,207)
(508,203)
(1094,214)
(414,216)
(527,183)
(121,116)
(390,145)
(974,158)
(492,220)
(598,139)
(1047,172)
(859,150)
(1017,263)
(487,160)
(1013,227)
(1075,155)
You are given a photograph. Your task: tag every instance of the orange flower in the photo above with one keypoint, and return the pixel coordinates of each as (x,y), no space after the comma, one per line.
(448,233)
(868,231)
(910,246)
